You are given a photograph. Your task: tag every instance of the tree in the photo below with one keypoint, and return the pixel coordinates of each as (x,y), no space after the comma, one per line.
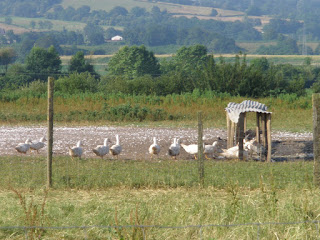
(214,12)
(7,56)
(78,64)
(189,62)
(118,11)
(47,41)
(133,62)
(41,63)
(189,58)
(138,11)
(94,34)
(15,77)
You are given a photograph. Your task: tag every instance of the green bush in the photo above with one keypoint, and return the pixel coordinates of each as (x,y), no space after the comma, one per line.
(77,83)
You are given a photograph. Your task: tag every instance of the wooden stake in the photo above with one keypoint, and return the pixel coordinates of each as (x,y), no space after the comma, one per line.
(50,131)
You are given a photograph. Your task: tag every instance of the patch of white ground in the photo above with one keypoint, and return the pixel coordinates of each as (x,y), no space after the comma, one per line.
(136,140)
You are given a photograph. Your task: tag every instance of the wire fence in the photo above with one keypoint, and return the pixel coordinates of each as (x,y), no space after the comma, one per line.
(93,173)
(258,230)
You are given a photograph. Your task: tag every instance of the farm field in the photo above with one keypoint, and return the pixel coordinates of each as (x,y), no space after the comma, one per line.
(243,200)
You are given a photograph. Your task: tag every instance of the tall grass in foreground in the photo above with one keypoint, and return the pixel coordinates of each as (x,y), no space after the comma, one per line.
(162,193)
(289,111)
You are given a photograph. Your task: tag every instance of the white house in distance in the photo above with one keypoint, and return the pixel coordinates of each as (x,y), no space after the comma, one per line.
(117,38)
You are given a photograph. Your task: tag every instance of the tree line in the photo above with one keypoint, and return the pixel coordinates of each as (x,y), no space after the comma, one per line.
(135,70)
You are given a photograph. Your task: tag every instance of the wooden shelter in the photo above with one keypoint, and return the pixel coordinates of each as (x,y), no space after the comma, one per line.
(236,124)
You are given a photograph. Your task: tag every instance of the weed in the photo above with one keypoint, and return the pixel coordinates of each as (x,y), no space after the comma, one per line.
(34,216)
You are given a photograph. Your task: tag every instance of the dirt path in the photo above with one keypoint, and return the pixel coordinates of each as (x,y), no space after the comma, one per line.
(136,140)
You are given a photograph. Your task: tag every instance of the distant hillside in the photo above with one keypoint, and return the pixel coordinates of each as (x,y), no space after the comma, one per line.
(176,9)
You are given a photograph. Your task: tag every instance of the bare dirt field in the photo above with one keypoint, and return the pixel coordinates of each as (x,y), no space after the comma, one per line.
(136,140)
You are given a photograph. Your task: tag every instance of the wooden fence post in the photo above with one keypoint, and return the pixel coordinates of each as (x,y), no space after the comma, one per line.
(200,149)
(316,138)
(50,130)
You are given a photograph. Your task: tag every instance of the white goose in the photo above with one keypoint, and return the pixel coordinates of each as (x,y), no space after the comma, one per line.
(38,145)
(76,151)
(102,150)
(253,147)
(191,149)
(212,149)
(174,149)
(24,147)
(116,149)
(233,153)
(154,148)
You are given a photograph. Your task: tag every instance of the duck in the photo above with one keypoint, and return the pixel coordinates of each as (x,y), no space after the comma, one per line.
(24,147)
(38,145)
(76,151)
(212,149)
(102,150)
(174,149)
(116,149)
(154,148)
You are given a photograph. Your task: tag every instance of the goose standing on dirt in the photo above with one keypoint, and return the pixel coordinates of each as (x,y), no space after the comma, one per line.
(24,147)
(174,149)
(212,149)
(116,149)
(154,148)
(191,149)
(102,150)
(76,151)
(38,145)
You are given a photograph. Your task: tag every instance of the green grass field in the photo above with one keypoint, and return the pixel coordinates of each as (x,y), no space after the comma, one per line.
(162,193)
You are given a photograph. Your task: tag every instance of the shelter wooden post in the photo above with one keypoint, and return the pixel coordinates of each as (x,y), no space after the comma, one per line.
(258,127)
(229,138)
(316,138)
(233,130)
(200,149)
(241,134)
(245,123)
(264,133)
(50,130)
(269,142)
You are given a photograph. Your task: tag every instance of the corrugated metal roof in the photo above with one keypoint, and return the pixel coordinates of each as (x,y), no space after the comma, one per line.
(234,109)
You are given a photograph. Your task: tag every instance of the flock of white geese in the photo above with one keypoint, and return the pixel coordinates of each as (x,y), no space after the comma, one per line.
(214,150)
